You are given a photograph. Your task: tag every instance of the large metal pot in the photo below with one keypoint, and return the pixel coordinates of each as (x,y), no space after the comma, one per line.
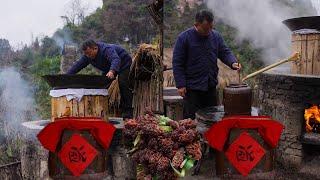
(309,22)
(74,81)
(237,99)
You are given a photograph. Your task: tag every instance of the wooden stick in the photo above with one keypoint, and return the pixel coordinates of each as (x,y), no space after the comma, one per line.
(238,60)
(294,57)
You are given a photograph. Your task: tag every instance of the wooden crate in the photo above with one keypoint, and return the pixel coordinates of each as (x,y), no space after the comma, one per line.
(309,47)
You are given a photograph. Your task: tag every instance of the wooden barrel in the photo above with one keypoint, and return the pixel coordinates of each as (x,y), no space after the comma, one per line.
(264,168)
(308,44)
(97,169)
(88,106)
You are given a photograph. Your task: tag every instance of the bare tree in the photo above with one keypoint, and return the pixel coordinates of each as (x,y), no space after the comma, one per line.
(77,10)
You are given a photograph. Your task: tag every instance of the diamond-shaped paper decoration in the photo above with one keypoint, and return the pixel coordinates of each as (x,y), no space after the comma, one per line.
(244,153)
(77,154)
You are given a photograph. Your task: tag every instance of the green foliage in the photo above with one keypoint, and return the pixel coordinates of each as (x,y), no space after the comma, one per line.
(44,66)
(5,52)
(10,150)
(117,20)
(49,47)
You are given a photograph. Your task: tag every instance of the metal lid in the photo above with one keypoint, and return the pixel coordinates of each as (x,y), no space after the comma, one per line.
(237,85)
(64,81)
(310,22)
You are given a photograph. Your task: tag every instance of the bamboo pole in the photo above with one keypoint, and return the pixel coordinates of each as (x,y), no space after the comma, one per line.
(239,75)
(294,57)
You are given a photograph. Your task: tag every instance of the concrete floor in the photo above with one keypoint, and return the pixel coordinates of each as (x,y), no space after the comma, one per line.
(308,171)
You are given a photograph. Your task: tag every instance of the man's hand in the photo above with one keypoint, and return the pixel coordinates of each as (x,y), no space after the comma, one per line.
(236,66)
(182,91)
(110,74)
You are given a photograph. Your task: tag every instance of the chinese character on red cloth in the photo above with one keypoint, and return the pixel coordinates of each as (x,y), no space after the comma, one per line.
(244,153)
(77,154)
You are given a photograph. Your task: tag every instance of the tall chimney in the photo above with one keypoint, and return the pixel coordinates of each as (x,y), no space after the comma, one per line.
(69,55)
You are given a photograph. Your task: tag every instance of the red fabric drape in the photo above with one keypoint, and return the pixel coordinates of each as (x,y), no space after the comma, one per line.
(99,129)
(268,129)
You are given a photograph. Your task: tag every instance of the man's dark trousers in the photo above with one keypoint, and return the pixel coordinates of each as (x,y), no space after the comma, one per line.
(126,94)
(196,99)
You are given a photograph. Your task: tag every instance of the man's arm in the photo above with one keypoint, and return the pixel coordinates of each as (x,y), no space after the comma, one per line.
(178,62)
(225,54)
(78,65)
(114,59)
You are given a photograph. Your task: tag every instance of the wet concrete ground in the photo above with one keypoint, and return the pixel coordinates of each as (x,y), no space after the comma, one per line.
(310,170)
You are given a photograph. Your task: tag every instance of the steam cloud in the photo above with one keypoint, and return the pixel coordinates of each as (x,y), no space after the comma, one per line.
(16,101)
(261,23)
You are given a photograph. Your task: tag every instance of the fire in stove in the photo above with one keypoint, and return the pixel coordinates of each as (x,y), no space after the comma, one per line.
(312,119)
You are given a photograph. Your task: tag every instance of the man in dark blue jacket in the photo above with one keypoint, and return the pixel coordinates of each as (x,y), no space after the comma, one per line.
(195,66)
(112,60)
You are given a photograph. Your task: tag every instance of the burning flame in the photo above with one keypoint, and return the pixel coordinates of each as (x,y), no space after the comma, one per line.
(311,113)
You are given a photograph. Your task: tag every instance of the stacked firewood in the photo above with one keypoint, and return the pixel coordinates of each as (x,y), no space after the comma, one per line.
(163,148)
(146,73)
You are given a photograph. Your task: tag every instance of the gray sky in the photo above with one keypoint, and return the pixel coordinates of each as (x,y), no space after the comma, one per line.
(20,19)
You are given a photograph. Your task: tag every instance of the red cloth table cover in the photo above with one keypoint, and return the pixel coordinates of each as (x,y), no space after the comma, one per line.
(268,129)
(101,130)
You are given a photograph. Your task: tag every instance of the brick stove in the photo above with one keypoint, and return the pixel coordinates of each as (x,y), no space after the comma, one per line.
(286,96)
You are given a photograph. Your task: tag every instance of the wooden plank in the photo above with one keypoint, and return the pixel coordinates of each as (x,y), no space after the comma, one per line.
(105,107)
(296,47)
(81,108)
(98,109)
(303,67)
(310,53)
(316,56)
(75,108)
(66,107)
(89,106)
(53,108)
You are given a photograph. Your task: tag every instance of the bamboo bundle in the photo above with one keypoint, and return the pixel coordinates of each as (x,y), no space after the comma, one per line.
(114,98)
(146,72)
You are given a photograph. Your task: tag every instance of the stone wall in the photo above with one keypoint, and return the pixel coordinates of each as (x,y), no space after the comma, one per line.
(284,97)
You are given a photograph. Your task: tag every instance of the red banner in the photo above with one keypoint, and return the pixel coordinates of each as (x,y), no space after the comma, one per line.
(77,154)
(244,153)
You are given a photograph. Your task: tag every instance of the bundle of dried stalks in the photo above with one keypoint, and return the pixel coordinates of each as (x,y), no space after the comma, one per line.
(146,72)
(114,97)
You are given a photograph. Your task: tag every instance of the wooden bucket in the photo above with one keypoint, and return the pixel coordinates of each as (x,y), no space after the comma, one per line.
(308,44)
(89,106)
(97,169)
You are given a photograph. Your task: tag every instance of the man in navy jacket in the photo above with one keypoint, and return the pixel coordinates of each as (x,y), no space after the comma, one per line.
(195,66)
(112,60)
